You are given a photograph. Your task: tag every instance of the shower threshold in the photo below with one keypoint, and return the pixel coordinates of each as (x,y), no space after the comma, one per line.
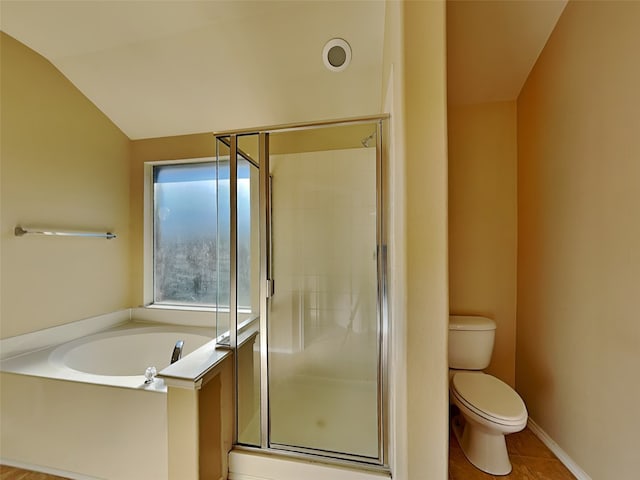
(245,465)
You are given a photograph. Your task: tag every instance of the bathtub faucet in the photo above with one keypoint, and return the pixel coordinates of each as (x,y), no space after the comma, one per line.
(177,351)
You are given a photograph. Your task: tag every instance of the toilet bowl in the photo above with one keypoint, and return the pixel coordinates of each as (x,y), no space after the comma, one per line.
(489,408)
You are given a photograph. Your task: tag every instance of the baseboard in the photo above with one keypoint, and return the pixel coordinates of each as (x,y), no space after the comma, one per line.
(566,460)
(51,471)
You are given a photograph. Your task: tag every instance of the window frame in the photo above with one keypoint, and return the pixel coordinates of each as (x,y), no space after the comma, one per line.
(149,242)
(148,246)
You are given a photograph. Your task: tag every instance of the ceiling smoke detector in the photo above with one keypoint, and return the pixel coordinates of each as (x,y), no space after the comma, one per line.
(336,55)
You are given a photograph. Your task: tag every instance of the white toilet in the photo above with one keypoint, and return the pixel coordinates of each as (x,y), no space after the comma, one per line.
(489,408)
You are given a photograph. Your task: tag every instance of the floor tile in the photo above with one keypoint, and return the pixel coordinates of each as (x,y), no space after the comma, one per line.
(539,469)
(530,459)
(461,469)
(453,442)
(12,473)
(527,444)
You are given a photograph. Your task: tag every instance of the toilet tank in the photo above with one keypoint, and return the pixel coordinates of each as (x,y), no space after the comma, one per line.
(470,342)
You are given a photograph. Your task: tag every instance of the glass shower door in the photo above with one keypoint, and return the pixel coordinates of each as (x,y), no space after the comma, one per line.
(323,335)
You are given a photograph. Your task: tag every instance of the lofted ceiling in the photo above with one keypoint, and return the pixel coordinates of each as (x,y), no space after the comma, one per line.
(161,68)
(493,45)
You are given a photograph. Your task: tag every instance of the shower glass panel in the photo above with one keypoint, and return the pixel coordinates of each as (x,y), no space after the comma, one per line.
(248,305)
(323,323)
(223,240)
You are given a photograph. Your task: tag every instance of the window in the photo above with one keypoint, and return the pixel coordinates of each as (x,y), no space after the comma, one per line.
(191,227)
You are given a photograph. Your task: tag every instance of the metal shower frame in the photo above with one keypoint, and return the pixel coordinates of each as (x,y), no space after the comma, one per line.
(230,139)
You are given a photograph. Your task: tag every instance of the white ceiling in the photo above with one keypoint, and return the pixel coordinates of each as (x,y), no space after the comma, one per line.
(162,68)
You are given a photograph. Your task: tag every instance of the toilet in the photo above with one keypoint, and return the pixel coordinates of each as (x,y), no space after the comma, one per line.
(489,408)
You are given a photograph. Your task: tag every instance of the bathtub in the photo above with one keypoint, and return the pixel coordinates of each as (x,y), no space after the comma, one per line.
(120,357)
(82,409)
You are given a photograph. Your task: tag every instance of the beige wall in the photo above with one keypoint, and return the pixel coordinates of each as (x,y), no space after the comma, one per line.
(426,241)
(392,102)
(483,222)
(64,166)
(578,336)
(414,91)
(150,150)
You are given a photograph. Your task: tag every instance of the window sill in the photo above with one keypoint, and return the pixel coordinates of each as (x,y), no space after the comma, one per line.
(175,315)
(182,315)
(188,308)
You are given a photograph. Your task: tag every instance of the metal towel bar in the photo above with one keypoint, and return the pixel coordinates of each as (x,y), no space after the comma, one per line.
(19,232)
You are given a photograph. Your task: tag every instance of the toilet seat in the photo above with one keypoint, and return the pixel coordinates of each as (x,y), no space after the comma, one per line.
(489,397)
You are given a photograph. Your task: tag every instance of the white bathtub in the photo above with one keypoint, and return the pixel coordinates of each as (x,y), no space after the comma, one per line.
(61,413)
(127,352)
(117,357)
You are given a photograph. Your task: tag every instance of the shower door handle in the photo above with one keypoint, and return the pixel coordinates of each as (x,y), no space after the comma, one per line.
(271,288)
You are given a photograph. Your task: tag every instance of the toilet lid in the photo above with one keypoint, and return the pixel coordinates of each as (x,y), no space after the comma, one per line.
(489,397)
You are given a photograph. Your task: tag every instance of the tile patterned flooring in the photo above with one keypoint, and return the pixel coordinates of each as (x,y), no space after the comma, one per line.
(530,458)
(12,473)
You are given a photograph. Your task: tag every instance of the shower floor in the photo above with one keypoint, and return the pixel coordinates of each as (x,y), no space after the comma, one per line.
(326,414)
(322,397)
(323,414)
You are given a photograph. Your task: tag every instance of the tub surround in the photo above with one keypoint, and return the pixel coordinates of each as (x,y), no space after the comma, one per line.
(198,367)
(200,424)
(194,369)
(48,337)
(49,362)
(70,426)
(30,354)
(83,431)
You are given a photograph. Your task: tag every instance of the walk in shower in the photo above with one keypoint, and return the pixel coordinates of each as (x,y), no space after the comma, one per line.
(307,288)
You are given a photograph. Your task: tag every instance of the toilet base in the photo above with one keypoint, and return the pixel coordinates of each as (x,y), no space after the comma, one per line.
(486,450)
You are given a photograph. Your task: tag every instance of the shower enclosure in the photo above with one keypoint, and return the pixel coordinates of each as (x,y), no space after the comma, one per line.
(307,288)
